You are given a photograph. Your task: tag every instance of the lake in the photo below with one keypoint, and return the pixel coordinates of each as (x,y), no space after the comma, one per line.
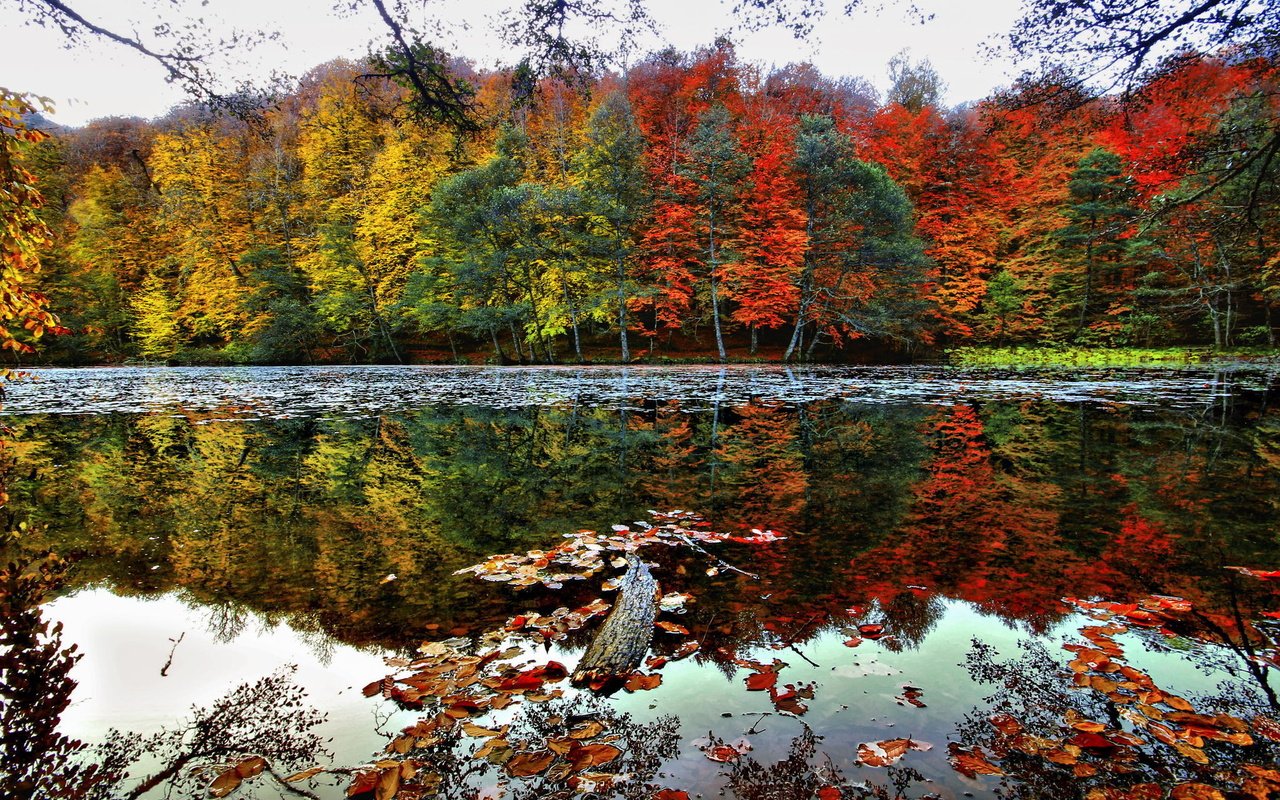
(876,582)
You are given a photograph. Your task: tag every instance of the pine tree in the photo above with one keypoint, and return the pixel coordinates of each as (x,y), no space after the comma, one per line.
(1100,212)
(610,169)
(717,168)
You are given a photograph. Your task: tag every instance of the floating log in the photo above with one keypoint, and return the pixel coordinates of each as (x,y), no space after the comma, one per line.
(624,637)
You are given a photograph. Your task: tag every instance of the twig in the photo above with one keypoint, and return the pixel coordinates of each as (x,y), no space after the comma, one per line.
(164,671)
(720,561)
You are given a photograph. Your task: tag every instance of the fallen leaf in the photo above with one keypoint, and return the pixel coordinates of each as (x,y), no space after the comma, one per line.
(251,766)
(587,730)
(639,682)
(1195,791)
(524,765)
(225,784)
(970,762)
(671,627)
(304,774)
(761,681)
(583,757)
(889,751)
(1006,724)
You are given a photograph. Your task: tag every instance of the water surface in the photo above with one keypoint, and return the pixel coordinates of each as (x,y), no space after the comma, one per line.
(225,523)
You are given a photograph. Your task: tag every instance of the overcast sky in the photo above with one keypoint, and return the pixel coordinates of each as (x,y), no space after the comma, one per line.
(99,79)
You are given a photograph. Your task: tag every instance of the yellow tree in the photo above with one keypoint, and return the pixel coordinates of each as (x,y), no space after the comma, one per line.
(337,145)
(205,208)
(24,312)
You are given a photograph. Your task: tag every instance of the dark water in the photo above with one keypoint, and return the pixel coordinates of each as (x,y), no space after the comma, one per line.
(221,524)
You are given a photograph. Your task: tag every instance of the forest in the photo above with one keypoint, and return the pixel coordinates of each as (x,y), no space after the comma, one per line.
(692,206)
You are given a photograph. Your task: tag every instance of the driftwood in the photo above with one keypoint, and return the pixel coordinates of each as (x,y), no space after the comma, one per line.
(624,637)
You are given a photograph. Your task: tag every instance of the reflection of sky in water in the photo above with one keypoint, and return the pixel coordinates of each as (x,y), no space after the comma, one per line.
(282,392)
(126,642)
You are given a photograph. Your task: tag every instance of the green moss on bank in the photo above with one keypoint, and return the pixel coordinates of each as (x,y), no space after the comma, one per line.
(1025,356)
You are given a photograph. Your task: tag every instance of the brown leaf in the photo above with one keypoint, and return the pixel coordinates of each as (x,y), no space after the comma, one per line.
(639,682)
(585,756)
(388,783)
(304,774)
(889,751)
(1006,724)
(365,780)
(524,765)
(587,730)
(479,732)
(970,762)
(225,784)
(1195,791)
(671,627)
(251,766)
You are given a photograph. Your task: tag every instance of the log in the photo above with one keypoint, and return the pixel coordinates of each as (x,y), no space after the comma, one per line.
(623,639)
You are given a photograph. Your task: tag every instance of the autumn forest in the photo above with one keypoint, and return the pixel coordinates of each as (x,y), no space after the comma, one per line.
(692,206)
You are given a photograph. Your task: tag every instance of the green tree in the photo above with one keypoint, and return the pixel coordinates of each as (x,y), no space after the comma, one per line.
(717,168)
(1100,213)
(863,264)
(611,170)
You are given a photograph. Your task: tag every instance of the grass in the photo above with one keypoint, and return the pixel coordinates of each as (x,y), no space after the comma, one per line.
(1067,356)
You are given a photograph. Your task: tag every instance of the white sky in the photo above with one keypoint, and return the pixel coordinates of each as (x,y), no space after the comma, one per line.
(98,79)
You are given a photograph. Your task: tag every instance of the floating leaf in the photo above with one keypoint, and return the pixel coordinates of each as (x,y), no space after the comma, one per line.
(583,757)
(1195,791)
(639,682)
(887,752)
(225,784)
(674,601)
(524,765)
(970,761)
(1257,573)
(671,627)
(251,766)
(912,695)
(761,681)
(304,774)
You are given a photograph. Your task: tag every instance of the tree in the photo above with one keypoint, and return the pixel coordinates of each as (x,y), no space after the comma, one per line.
(610,169)
(155,323)
(770,239)
(914,86)
(716,167)
(862,263)
(22,232)
(1100,212)
(482,218)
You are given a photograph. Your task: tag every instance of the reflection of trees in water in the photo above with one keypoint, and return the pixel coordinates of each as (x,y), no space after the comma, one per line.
(36,761)
(455,774)
(1056,738)
(264,719)
(1004,505)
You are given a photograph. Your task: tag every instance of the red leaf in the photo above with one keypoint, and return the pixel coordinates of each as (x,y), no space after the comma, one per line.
(760,681)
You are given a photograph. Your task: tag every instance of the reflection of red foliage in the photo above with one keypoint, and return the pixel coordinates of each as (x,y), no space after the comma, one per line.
(974,533)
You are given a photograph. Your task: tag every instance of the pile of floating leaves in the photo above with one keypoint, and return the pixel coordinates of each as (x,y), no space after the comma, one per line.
(584,553)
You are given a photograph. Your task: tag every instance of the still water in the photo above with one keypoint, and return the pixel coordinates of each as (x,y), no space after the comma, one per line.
(1013,583)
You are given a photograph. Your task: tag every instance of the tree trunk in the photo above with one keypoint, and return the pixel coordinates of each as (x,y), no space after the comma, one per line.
(623,639)
(622,311)
(715,297)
